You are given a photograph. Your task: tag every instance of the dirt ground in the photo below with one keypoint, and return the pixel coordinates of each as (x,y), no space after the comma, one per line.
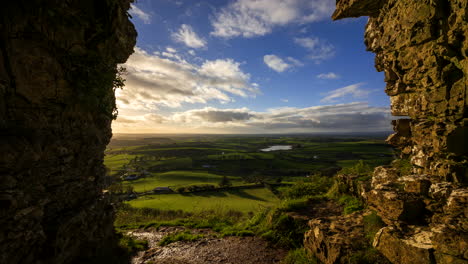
(210,249)
(227,250)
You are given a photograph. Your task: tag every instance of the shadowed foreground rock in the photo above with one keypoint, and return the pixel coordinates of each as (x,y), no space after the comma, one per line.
(422,47)
(57,68)
(335,238)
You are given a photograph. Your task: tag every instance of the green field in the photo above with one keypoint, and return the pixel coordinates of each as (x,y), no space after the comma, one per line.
(227,184)
(117,161)
(241,156)
(181,161)
(169,163)
(248,200)
(176,179)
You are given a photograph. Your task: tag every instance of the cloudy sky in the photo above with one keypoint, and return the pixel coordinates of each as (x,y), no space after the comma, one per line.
(249,66)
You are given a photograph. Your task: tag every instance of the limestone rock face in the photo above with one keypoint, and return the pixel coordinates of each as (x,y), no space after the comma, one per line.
(422,47)
(57,66)
(337,239)
(384,175)
(333,239)
(415,246)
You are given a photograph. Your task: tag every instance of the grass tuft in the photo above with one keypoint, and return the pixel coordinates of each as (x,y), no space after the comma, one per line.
(372,224)
(403,166)
(361,168)
(315,185)
(179,236)
(351,204)
(299,256)
(130,245)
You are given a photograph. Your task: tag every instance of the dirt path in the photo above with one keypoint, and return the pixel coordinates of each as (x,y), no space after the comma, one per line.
(228,250)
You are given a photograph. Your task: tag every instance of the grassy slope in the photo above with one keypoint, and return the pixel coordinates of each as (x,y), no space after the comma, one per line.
(249,200)
(171,163)
(175,179)
(180,164)
(115,162)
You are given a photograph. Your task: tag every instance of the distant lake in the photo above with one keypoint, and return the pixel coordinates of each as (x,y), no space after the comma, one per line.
(277,147)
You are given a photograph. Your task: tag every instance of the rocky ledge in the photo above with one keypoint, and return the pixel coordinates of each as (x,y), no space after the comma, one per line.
(422,47)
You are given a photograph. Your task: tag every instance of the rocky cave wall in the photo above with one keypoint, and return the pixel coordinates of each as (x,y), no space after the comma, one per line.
(422,47)
(58,62)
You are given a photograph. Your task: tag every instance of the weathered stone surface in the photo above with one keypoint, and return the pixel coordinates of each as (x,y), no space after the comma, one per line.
(414,246)
(402,135)
(419,47)
(384,175)
(351,184)
(422,47)
(357,8)
(394,206)
(456,210)
(335,239)
(418,184)
(57,65)
(318,240)
(440,190)
(451,246)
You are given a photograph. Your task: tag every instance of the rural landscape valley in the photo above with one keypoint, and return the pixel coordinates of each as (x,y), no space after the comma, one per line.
(234,132)
(256,192)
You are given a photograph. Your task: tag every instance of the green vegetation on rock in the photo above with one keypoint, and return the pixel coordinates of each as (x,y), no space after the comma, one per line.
(403,166)
(372,224)
(350,203)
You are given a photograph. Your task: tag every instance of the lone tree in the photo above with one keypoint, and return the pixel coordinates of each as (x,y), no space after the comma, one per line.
(225,182)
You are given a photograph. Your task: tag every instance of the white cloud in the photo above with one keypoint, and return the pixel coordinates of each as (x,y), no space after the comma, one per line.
(295,62)
(135,11)
(309,43)
(358,116)
(171,55)
(187,36)
(147,119)
(322,9)
(328,76)
(250,18)
(154,118)
(171,50)
(121,119)
(284,100)
(192,52)
(335,118)
(276,63)
(352,91)
(319,49)
(153,81)
(330,118)
(303,30)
